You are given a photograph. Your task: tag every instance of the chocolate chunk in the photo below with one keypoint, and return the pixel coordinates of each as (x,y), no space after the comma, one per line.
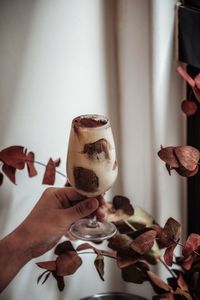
(86,179)
(100,146)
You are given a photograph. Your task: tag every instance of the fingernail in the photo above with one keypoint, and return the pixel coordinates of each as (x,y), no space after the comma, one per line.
(92,204)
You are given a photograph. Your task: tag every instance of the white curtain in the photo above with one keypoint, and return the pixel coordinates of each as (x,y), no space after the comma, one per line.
(150,97)
(59,59)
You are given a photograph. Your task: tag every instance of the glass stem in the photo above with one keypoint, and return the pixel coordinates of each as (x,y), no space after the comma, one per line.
(92,223)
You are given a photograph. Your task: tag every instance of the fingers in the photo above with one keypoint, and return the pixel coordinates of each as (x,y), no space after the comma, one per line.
(100,214)
(61,197)
(65,197)
(72,205)
(101,200)
(80,210)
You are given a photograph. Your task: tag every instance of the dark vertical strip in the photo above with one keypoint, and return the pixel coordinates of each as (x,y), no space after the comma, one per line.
(193,139)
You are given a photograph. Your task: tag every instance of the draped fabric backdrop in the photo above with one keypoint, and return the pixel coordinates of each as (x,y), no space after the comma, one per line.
(62,58)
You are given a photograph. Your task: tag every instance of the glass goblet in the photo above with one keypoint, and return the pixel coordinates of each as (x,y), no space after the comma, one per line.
(91,169)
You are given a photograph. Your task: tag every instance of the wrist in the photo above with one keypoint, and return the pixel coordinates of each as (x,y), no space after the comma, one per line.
(16,247)
(13,256)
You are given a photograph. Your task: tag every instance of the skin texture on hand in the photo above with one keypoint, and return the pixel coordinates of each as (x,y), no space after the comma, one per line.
(48,221)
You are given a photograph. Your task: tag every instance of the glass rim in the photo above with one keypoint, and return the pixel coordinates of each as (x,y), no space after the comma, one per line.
(94,117)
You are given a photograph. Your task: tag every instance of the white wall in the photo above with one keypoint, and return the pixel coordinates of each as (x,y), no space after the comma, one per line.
(62,58)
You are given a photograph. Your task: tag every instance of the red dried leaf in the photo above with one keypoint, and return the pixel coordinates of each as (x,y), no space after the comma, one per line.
(121,202)
(122,244)
(14,156)
(189,107)
(30,164)
(187,262)
(1,178)
(182,283)
(188,157)
(63,247)
(85,246)
(50,173)
(194,83)
(57,162)
(112,254)
(136,233)
(67,264)
(168,156)
(180,294)
(197,80)
(48,265)
(99,265)
(60,281)
(186,173)
(144,242)
(123,227)
(125,261)
(171,232)
(158,229)
(135,273)
(168,168)
(67,183)
(168,255)
(151,258)
(192,244)
(196,89)
(185,76)
(166,296)
(157,283)
(9,172)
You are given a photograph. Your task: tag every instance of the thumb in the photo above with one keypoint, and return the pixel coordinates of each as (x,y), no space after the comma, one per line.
(80,210)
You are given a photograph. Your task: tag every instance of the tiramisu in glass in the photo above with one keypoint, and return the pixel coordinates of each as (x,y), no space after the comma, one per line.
(91,169)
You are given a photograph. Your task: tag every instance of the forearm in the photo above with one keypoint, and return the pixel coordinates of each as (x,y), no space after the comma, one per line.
(13,256)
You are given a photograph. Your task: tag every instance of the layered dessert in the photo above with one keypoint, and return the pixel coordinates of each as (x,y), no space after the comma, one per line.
(91,161)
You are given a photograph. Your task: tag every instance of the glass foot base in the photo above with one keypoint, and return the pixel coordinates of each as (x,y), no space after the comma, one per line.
(103,231)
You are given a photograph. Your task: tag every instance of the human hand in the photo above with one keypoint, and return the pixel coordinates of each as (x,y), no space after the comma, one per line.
(49,220)
(52,216)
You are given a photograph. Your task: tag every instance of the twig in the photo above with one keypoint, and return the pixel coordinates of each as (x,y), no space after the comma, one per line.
(42,164)
(198,254)
(166,266)
(129,225)
(186,76)
(103,254)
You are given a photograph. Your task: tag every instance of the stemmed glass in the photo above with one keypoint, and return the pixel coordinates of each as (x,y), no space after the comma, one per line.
(91,169)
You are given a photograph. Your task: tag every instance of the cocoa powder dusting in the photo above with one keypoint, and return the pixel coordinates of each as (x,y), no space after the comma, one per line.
(88,122)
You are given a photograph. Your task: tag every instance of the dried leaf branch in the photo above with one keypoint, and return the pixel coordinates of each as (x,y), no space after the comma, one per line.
(139,239)
(134,253)
(183,159)
(16,158)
